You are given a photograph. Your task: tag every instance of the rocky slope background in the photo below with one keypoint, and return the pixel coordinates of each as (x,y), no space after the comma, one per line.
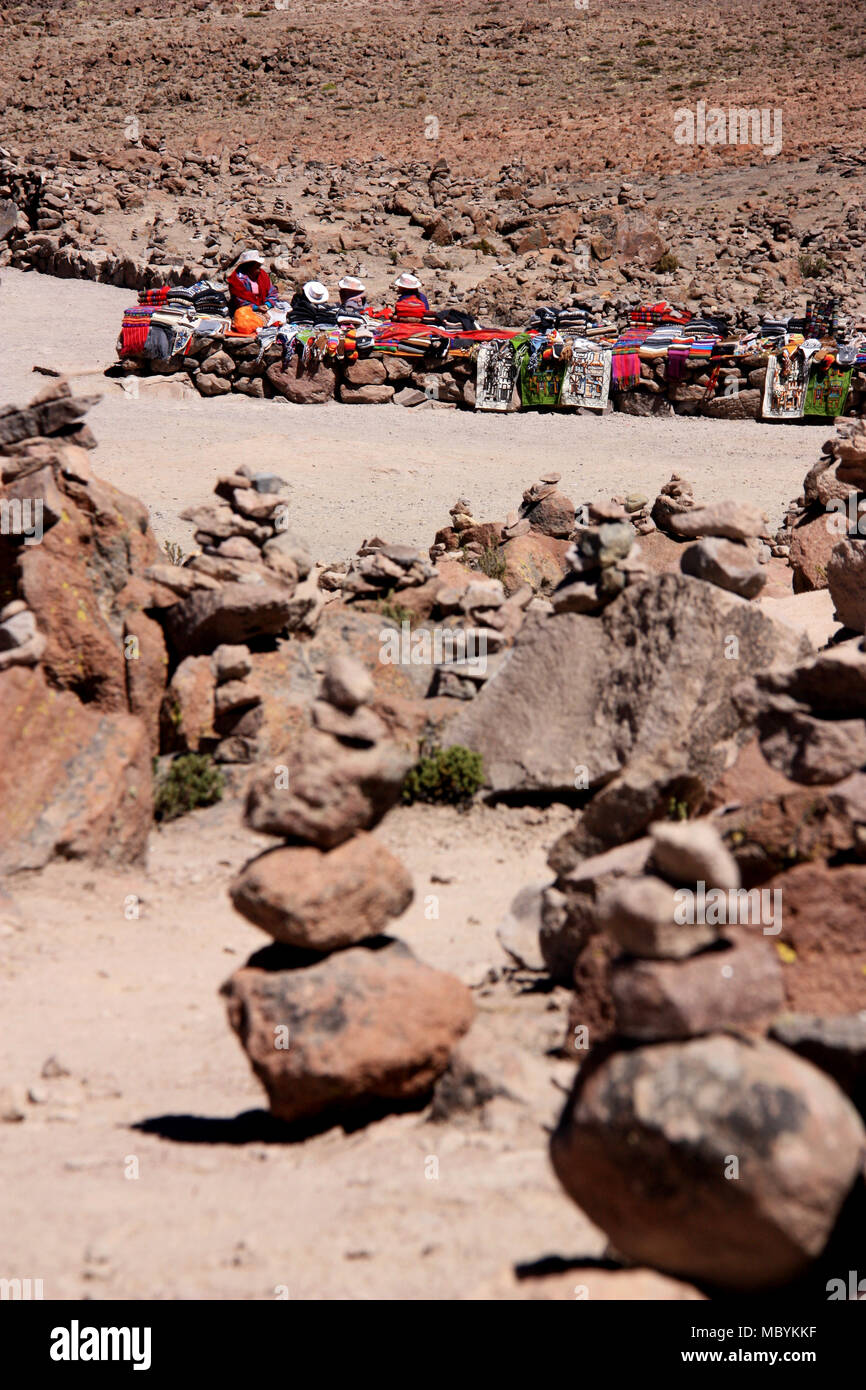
(474,145)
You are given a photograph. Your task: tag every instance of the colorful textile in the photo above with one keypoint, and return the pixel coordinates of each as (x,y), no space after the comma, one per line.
(678,356)
(827,389)
(157,296)
(785,386)
(496,376)
(625,367)
(658,313)
(587,379)
(134,330)
(540,381)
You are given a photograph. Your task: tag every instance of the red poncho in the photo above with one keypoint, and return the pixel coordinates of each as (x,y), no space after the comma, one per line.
(246,290)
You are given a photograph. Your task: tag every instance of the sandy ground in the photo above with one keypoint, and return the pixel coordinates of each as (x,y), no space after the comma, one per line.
(158,1085)
(357,472)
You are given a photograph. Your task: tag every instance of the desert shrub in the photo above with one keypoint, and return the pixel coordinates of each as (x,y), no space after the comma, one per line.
(666,263)
(812,266)
(451,775)
(174,552)
(395,611)
(192,780)
(492,562)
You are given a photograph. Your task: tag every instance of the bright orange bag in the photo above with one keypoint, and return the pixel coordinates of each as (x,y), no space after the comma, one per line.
(246,321)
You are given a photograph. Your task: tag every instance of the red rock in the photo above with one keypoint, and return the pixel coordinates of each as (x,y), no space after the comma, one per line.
(146,671)
(375,394)
(824,922)
(322,791)
(363,1027)
(323,902)
(187,713)
(812,544)
(846,580)
(648,1140)
(368,371)
(736,988)
(314,388)
(537,560)
(75,781)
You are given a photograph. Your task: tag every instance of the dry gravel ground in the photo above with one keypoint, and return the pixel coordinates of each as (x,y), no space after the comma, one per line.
(220,1208)
(356,472)
(129,1005)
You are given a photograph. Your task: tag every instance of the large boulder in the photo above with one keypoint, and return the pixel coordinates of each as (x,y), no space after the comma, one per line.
(363,1027)
(636,702)
(718,1160)
(846,580)
(75,781)
(304,388)
(232,612)
(323,902)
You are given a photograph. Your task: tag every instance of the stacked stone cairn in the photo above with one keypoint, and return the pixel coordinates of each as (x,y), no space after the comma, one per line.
(826,525)
(337,1019)
(252,579)
(702,1148)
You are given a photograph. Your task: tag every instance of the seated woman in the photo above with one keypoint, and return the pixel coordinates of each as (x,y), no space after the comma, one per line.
(249,283)
(352,297)
(411,302)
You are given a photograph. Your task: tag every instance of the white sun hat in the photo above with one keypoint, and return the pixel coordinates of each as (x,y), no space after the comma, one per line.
(250,257)
(351,282)
(315,292)
(407,282)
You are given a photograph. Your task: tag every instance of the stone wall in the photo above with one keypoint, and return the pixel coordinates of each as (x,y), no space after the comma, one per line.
(237,365)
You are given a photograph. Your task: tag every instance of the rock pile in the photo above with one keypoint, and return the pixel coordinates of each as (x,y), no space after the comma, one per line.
(823,526)
(701,1148)
(336,1018)
(603,559)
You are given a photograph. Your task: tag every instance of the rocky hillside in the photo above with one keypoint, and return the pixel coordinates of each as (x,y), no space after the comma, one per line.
(485,148)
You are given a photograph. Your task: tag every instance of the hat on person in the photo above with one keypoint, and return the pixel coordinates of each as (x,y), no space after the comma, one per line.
(249,257)
(351,282)
(315,292)
(407,282)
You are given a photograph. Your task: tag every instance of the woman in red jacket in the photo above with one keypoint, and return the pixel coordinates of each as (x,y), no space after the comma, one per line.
(249,283)
(411,302)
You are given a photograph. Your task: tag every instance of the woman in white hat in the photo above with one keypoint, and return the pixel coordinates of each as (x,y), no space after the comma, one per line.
(411,302)
(352,293)
(249,282)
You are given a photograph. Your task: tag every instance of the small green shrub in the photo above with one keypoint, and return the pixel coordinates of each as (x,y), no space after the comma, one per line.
(451,775)
(174,552)
(192,780)
(492,562)
(395,611)
(811,267)
(666,263)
